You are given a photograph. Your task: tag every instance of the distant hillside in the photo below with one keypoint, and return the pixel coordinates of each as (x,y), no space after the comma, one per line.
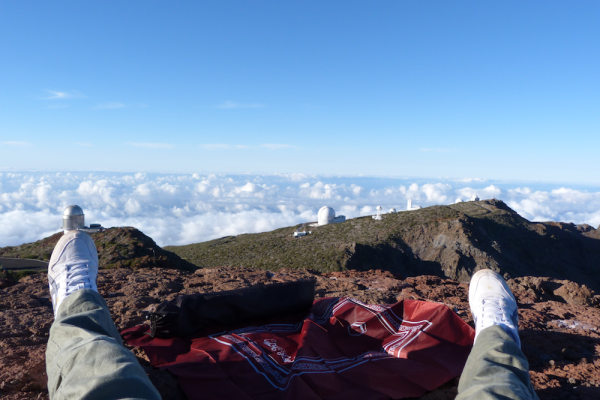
(448,241)
(117,248)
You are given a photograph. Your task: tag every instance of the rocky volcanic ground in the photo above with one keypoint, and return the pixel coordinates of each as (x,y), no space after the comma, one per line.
(559,320)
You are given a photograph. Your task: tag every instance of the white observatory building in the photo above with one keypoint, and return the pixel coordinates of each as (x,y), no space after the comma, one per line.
(409,206)
(327,216)
(378,216)
(74,219)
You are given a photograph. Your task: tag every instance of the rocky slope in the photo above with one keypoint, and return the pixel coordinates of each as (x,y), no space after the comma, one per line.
(117,248)
(559,320)
(448,241)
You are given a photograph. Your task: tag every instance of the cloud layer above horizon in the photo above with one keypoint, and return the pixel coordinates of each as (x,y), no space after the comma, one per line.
(177,209)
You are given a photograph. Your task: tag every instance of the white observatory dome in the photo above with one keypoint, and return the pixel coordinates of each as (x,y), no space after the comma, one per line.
(73,218)
(326,216)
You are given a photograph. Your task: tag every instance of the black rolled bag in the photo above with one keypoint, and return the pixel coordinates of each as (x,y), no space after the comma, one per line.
(186,314)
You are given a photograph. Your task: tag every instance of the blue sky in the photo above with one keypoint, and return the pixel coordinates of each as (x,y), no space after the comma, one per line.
(502,90)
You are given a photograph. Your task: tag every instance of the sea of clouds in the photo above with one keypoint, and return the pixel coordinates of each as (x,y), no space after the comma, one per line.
(176,209)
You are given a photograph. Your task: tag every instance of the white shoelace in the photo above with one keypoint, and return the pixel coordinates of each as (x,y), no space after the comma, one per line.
(493,312)
(77,278)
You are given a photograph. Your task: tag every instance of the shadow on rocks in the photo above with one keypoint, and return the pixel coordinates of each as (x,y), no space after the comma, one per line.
(563,365)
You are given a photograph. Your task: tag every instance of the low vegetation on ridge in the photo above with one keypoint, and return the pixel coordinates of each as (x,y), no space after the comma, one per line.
(124,247)
(450,241)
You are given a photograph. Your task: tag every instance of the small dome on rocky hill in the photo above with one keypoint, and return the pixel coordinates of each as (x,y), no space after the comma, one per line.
(326,216)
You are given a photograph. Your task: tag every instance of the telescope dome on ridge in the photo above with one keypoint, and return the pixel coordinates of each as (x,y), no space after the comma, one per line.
(73,218)
(326,216)
(73,210)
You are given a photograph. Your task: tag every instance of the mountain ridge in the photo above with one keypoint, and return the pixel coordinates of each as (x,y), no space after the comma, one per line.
(450,241)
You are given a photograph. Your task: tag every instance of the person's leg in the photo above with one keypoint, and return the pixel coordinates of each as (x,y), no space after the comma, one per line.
(496,367)
(85,357)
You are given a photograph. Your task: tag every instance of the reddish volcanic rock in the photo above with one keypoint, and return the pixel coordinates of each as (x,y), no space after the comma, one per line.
(559,320)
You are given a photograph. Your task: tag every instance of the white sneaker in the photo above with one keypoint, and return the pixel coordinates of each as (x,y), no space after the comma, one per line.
(492,303)
(73,266)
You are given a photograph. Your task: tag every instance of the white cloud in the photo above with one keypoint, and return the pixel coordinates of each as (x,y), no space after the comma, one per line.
(151,145)
(143,190)
(16,143)
(247,188)
(109,105)
(190,208)
(491,192)
(436,192)
(58,95)
(132,206)
(232,105)
(99,192)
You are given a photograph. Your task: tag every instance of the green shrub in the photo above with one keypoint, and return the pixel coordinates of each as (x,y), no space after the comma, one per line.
(16,275)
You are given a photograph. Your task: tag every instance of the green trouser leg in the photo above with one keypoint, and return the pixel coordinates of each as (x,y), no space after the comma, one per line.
(495,369)
(85,358)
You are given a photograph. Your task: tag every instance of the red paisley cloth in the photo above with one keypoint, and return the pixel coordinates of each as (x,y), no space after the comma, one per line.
(344,349)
